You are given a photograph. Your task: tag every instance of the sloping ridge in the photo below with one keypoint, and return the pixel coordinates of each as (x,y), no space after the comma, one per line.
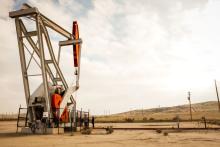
(208,109)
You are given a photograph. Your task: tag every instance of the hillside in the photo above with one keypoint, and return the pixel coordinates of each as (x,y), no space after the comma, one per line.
(208,109)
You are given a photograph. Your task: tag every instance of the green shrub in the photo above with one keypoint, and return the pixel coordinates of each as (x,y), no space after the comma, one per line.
(144,118)
(86,131)
(129,119)
(158,131)
(151,118)
(109,130)
(165,133)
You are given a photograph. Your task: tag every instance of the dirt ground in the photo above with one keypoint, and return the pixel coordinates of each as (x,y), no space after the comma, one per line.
(158,125)
(119,138)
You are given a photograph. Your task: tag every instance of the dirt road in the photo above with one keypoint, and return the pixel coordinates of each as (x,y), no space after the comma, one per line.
(118,139)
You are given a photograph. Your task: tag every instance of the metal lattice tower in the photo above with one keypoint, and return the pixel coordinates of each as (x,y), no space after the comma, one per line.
(38,46)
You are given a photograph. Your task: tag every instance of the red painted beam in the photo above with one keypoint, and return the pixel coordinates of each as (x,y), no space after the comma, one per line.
(76,47)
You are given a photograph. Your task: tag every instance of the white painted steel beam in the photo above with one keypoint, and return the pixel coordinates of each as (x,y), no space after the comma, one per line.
(23,12)
(42,59)
(70,42)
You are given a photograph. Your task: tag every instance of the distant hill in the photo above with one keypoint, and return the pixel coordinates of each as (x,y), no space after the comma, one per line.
(208,109)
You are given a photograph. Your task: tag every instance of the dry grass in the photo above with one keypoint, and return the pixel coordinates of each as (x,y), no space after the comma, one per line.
(199,110)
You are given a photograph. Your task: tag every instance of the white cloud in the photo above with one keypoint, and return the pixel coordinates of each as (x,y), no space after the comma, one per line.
(135,54)
(11,79)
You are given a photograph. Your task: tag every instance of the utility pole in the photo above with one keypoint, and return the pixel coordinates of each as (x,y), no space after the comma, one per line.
(216,88)
(190,107)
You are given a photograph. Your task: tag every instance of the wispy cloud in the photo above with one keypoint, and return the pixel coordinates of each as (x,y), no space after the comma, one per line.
(135,54)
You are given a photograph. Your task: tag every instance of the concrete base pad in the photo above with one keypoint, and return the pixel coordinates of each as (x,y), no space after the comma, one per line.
(26,130)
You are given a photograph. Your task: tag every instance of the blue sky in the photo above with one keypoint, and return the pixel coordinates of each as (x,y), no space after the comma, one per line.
(136,54)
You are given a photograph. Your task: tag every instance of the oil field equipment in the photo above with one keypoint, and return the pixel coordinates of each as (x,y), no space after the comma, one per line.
(51,102)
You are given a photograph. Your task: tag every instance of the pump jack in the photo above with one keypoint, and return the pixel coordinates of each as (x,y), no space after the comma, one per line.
(52,102)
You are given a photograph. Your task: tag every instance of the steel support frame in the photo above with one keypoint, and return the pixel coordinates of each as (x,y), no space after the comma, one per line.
(23,64)
(34,46)
(41,32)
(42,60)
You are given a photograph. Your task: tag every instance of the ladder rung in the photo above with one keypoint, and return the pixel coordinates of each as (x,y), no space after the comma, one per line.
(57,79)
(48,61)
(31,33)
(21,118)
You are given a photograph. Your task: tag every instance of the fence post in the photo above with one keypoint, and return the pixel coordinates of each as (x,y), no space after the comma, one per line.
(80,119)
(71,121)
(88,118)
(205,122)
(59,121)
(178,122)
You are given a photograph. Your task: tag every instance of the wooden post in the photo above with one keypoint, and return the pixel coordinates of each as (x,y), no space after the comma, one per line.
(204,120)
(59,126)
(80,119)
(216,88)
(178,122)
(71,121)
(190,107)
(88,118)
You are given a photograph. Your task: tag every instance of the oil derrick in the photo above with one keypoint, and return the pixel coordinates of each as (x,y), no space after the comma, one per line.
(52,102)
